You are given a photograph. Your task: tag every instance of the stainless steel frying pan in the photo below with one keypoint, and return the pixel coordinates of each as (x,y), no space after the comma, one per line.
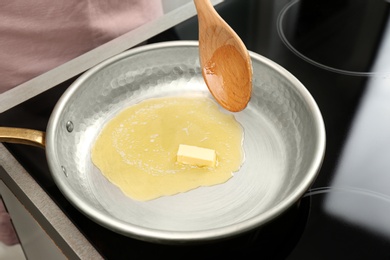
(284,143)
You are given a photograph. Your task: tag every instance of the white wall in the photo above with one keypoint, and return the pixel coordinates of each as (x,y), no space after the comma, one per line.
(169,5)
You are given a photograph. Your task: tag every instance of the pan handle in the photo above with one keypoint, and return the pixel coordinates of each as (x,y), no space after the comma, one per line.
(22,136)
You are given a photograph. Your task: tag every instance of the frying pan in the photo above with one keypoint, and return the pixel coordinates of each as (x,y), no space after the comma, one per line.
(284,145)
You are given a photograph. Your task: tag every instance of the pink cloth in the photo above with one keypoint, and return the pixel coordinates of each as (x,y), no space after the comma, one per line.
(7,233)
(36,36)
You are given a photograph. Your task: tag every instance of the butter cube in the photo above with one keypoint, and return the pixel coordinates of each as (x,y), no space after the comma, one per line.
(194,155)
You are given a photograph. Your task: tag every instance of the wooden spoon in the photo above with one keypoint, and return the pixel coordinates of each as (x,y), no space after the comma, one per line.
(225,61)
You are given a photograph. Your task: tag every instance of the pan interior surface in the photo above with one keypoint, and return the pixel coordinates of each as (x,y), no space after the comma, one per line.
(283,145)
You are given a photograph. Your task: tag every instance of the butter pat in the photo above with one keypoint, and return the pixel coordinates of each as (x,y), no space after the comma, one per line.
(194,155)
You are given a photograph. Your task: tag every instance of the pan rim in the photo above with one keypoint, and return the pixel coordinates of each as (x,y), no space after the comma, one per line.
(161,236)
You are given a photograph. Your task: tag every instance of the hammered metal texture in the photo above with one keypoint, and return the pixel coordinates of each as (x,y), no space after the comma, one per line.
(283,142)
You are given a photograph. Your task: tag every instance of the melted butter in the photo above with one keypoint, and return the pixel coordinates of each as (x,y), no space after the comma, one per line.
(137,149)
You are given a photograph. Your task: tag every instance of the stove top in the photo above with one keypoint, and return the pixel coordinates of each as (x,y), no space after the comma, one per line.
(340,50)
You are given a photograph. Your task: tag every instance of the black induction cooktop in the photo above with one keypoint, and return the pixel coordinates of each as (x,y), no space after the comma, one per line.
(340,50)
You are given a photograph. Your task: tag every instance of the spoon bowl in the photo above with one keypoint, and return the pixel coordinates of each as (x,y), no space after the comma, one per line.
(225,61)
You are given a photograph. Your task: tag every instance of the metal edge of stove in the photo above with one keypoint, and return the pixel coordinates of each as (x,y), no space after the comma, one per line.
(31,236)
(84,62)
(47,214)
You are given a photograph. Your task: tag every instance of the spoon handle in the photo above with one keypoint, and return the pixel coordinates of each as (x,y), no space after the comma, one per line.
(206,12)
